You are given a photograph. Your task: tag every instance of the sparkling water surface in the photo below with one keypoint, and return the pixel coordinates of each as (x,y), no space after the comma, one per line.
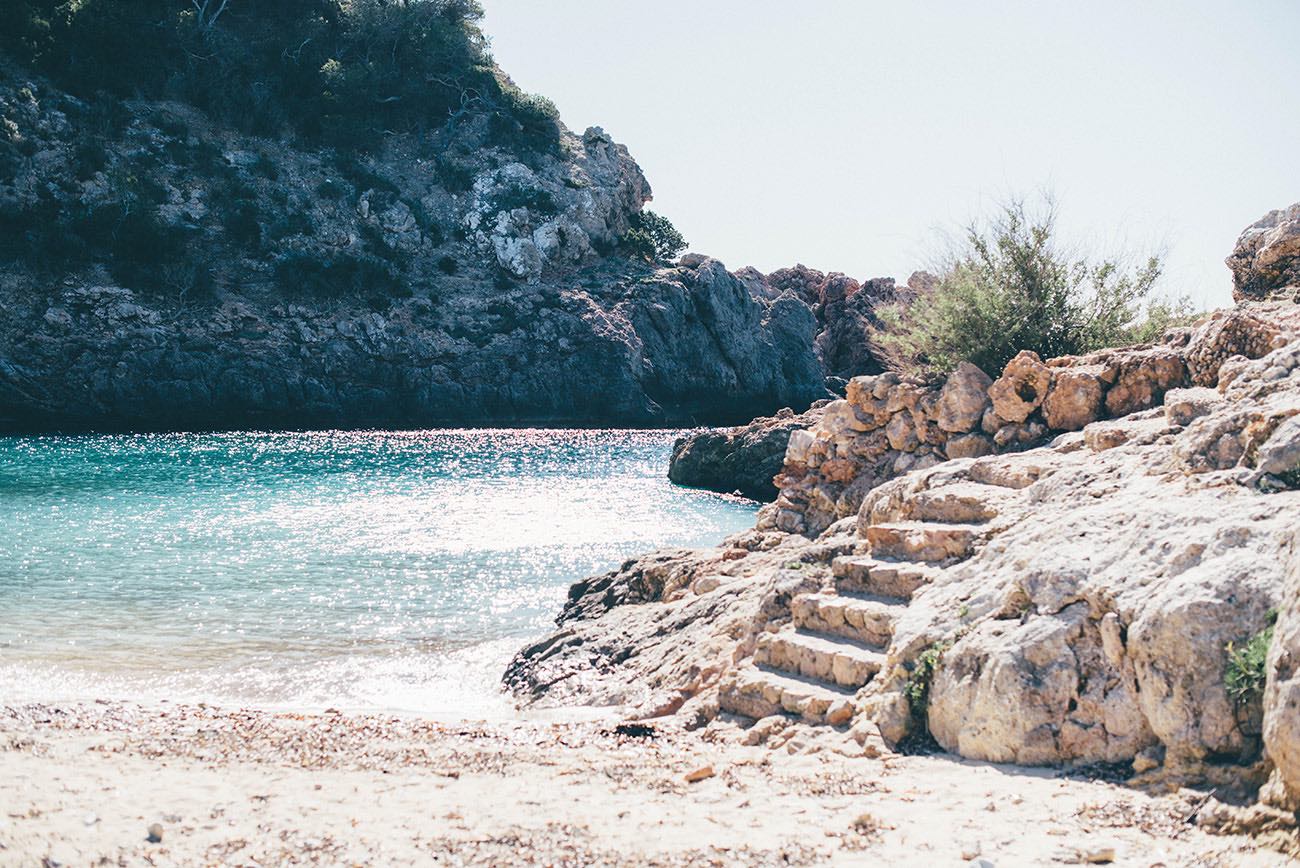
(370,570)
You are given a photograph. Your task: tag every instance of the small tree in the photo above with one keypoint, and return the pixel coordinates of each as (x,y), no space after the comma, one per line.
(654,238)
(1011,287)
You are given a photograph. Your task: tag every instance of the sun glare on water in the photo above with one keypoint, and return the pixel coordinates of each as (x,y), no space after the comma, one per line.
(394,571)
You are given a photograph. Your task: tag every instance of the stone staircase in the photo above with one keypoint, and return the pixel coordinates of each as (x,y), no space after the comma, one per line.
(837,639)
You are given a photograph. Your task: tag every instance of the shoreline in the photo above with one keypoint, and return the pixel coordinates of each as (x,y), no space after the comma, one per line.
(84,782)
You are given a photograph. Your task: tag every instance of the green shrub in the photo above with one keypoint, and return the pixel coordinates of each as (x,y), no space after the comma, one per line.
(523,121)
(89,157)
(242,223)
(347,274)
(653,238)
(921,678)
(457,175)
(1011,287)
(330,189)
(516,195)
(1247,667)
(293,221)
(266,167)
(343,72)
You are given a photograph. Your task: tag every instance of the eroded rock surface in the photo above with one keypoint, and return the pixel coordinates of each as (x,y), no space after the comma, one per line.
(887,426)
(1265,263)
(1066,604)
(743,459)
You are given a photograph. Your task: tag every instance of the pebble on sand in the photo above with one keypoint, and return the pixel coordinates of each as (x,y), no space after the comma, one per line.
(702,773)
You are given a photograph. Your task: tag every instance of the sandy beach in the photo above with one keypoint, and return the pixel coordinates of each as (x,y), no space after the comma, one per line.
(86,784)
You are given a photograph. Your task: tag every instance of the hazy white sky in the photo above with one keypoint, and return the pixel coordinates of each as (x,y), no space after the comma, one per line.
(846,134)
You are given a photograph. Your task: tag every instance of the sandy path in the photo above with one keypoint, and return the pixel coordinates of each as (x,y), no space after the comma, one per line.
(83,783)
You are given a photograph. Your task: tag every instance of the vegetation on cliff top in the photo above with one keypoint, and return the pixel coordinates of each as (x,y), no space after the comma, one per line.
(341,72)
(1011,286)
(654,238)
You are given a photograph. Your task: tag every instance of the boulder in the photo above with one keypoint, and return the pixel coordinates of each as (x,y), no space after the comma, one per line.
(743,459)
(1021,388)
(1010,438)
(962,399)
(1265,263)
(1142,377)
(969,446)
(1076,398)
(1279,455)
(1226,334)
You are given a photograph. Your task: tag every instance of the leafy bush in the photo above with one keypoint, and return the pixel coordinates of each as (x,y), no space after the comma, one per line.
(1247,667)
(517,195)
(921,677)
(525,121)
(347,274)
(1012,287)
(654,238)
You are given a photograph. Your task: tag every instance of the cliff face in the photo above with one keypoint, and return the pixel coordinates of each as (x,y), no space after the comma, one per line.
(162,270)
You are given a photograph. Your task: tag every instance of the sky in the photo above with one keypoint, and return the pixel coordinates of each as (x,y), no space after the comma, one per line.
(854,135)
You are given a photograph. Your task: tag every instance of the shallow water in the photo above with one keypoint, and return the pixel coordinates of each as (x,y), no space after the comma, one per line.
(372,570)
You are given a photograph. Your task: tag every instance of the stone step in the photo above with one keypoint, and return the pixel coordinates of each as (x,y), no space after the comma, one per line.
(959,503)
(758,691)
(1015,471)
(863,618)
(864,574)
(832,659)
(923,541)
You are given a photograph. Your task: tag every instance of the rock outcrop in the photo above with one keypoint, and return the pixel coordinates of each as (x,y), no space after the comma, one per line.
(742,460)
(1282,692)
(1071,603)
(167,272)
(887,426)
(1265,263)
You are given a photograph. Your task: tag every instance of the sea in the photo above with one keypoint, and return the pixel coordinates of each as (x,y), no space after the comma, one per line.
(364,571)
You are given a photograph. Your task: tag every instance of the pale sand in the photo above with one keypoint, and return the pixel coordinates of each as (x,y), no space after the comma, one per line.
(83,783)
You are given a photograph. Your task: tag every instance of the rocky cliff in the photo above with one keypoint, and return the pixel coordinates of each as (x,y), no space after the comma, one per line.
(1076,563)
(243,282)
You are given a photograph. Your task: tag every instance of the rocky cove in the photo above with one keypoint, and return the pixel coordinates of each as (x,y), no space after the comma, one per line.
(1047,612)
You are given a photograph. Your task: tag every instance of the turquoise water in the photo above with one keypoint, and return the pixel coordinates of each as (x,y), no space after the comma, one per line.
(362,570)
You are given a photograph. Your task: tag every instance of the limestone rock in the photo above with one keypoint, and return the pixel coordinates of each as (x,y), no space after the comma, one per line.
(1021,388)
(1143,377)
(1075,400)
(970,446)
(1279,455)
(1182,406)
(1266,261)
(1225,335)
(963,399)
(743,459)
(1014,437)
(1282,691)
(1079,600)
